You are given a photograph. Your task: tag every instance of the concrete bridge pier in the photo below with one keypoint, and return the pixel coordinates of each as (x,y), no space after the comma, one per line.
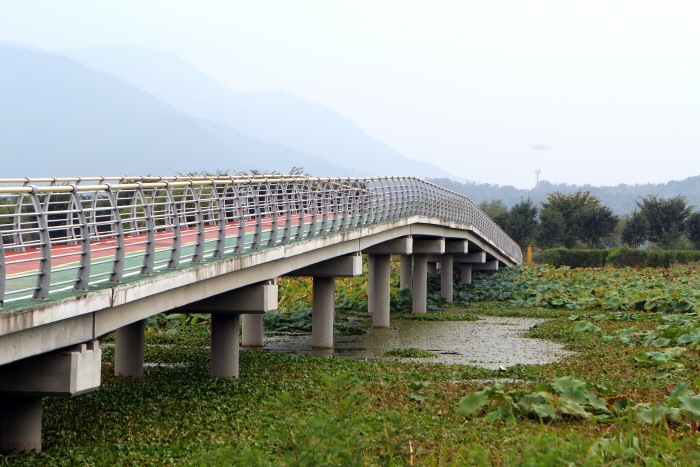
(370,279)
(379,276)
(20,423)
(446,285)
(323,307)
(452,247)
(422,249)
(432,267)
(128,355)
(467,263)
(253,330)
(466,273)
(323,312)
(420,283)
(406,272)
(62,373)
(491,265)
(225,310)
(379,290)
(224,344)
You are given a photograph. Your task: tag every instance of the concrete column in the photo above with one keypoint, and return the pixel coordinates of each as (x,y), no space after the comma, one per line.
(323,314)
(380,290)
(432,268)
(128,358)
(446,289)
(319,352)
(20,423)
(224,344)
(252,334)
(466,273)
(406,272)
(420,283)
(370,279)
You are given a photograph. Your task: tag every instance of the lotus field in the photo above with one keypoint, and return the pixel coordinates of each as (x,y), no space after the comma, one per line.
(670,290)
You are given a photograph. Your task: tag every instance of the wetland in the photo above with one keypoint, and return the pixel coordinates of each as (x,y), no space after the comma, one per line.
(621,378)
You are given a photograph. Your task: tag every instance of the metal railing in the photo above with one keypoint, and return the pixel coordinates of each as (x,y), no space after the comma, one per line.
(67,234)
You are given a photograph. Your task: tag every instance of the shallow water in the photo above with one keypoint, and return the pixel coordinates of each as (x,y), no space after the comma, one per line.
(489,343)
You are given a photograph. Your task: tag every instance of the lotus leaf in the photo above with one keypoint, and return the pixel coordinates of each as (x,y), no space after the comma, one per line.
(650,414)
(690,406)
(502,412)
(471,405)
(583,326)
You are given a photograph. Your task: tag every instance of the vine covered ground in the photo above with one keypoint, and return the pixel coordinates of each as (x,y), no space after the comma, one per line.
(628,396)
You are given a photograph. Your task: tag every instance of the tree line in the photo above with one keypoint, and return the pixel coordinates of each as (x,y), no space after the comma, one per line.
(581,220)
(620,198)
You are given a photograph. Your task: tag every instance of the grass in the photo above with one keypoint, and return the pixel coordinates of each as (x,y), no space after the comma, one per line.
(295,410)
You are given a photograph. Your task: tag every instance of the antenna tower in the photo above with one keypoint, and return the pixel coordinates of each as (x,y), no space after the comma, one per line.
(537,176)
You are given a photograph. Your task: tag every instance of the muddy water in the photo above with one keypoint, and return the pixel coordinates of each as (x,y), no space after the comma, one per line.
(490,342)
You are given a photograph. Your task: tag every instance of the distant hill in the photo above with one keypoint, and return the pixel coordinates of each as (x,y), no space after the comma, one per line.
(22,45)
(271,116)
(59,117)
(621,198)
(265,156)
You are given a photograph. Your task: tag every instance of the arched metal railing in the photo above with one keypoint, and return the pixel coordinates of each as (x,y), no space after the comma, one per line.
(67,234)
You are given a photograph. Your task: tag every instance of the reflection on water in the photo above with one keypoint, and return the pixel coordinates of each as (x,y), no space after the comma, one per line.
(489,342)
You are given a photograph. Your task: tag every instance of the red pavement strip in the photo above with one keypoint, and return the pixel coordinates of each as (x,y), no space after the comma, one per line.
(29,259)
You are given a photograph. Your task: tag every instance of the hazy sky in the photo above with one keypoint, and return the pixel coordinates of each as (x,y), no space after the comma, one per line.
(598,92)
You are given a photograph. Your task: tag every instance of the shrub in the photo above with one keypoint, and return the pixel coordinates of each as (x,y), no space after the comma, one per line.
(616,257)
(621,257)
(573,258)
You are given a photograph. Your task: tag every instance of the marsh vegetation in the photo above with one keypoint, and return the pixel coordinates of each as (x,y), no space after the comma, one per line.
(617,400)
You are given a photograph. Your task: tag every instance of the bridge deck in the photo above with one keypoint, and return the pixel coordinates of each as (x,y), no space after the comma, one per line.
(66,240)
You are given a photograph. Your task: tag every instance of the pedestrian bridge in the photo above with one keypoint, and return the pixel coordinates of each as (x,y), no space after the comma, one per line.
(82,257)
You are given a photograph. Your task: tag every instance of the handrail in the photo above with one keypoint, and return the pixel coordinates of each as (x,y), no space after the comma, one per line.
(59,234)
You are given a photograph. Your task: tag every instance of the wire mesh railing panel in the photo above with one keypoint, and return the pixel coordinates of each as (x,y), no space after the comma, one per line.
(59,236)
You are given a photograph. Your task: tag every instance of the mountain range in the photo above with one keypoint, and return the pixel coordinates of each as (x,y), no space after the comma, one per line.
(133,111)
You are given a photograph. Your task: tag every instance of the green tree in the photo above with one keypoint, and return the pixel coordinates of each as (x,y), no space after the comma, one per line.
(496,210)
(551,229)
(666,217)
(692,229)
(569,206)
(521,222)
(636,230)
(592,224)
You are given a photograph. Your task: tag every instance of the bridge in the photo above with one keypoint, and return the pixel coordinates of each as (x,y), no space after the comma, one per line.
(83,257)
